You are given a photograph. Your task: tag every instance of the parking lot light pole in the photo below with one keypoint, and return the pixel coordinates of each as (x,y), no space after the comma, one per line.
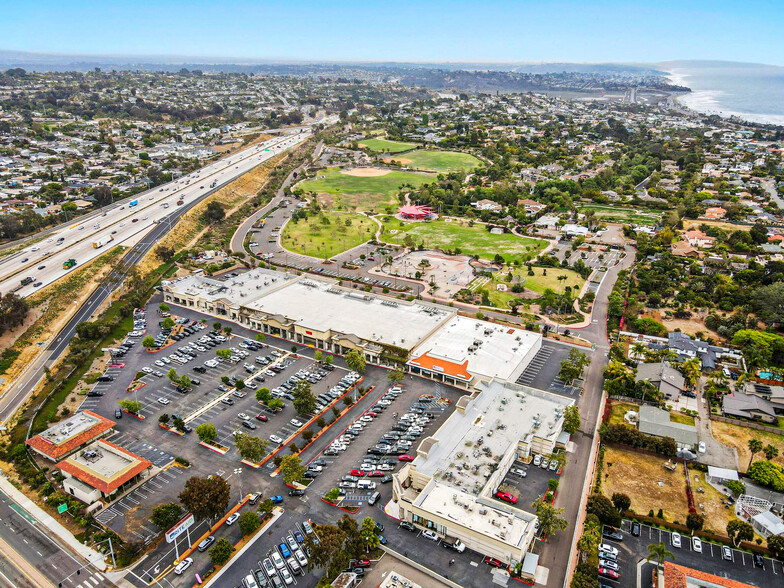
(238,473)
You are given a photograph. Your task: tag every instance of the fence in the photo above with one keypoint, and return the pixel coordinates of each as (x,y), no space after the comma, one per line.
(750,424)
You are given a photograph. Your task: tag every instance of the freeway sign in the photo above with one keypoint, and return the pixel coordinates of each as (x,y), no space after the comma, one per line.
(179,528)
(62,508)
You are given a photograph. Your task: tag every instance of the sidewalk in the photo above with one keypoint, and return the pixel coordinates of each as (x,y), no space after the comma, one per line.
(48,522)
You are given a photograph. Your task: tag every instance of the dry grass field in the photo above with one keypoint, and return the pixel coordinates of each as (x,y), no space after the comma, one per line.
(738,437)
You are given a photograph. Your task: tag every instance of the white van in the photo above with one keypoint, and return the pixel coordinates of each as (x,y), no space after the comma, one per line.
(366,485)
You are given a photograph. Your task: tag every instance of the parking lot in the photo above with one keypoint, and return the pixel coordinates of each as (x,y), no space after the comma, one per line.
(600,256)
(634,550)
(542,372)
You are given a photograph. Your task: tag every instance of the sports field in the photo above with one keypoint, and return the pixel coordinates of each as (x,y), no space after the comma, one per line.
(327,234)
(440,161)
(386,146)
(338,190)
(455,234)
(544,278)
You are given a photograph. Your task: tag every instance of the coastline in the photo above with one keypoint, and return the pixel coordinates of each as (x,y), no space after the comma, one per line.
(708,102)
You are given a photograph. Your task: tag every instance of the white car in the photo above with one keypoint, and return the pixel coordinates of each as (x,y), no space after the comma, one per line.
(701,447)
(159,363)
(676,539)
(430,535)
(163,400)
(296,423)
(277,560)
(286,575)
(607,548)
(243,416)
(147,370)
(183,565)
(275,439)
(537,460)
(166,360)
(696,544)
(232,519)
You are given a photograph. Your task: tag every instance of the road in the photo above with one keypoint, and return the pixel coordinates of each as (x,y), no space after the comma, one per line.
(553,554)
(125,223)
(30,557)
(769,186)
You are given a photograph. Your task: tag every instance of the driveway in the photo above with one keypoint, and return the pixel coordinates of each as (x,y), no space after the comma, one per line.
(716,454)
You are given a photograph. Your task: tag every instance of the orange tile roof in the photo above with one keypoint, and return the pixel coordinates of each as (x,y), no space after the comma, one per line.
(676,576)
(55,452)
(443,366)
(107,486)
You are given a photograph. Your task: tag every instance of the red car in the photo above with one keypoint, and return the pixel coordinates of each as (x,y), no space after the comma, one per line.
(491,561)
(371,413)
(262,417)
(359,563)
(405,457)
(375,473)
(357,473)
(506,497)
(612,575)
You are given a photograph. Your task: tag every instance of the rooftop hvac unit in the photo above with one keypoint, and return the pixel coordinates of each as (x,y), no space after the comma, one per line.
(483,511)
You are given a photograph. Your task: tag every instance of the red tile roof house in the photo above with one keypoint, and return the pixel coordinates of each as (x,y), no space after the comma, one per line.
(66,437)
(676,576)
(715,212)
(100,470)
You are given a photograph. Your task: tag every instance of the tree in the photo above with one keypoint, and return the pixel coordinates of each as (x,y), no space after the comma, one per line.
(770,452)
(776,545)
(275,404)
(148,342)
(214,213)
(368,533)
(165,516)
(240,384)
(318,355)
(131,406)
(185,381)
(248,522)
(304,401)
(571,419)
(167,323)
(354,545)
(206,432)
(768,474)
(263,395)
(179,424)
(13,309)
(659,552)
(396,376)
(172,375)
(329,546)
(227,330)
(755,446)
(329,360)
(221,551)
(603,508)
(621,501)
(261,337)
(251,447)
(224,353)
(292,469)
(356,361)
(307,435)
(332,496)
(216,326)
(164,418)
(739,531)
(163,307)
(550,519)
(736,487)
(266,506)
(207,497)
(694,521)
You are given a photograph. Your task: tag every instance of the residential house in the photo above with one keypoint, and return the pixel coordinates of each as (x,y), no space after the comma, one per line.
(487,205)
(655,421)
(773,394)
(532,207)
(697,238)
(715,212)
(748,406)
(666,379)
(683,249)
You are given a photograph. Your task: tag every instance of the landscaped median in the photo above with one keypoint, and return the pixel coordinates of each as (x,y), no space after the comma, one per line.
(222,450)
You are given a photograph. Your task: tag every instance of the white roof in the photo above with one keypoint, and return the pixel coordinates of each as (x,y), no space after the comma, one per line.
(723,473)
(773,524)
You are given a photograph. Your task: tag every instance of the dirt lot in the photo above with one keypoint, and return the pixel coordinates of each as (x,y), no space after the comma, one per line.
(738,437)
(366,172)
(716,514)
(638,476)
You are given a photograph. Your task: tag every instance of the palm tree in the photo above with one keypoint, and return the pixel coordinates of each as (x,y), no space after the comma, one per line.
(660,552)
(755,446)
(639,350)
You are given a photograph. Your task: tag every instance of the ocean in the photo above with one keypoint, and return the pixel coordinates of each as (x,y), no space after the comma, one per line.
(751,92)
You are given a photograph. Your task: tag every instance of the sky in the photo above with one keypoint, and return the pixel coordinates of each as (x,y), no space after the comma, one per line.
(423,30)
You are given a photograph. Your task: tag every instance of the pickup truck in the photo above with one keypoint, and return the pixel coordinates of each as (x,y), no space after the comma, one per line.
(28,280)
(455,544)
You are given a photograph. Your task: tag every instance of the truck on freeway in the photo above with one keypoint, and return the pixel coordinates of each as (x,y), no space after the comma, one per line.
(28,280)
(102,241)
(69,263)
(133,202)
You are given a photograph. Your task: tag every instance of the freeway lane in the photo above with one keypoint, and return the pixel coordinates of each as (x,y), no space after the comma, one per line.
(17,392)
(127,224)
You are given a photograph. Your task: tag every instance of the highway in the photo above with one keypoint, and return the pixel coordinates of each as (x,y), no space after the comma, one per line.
(126,223)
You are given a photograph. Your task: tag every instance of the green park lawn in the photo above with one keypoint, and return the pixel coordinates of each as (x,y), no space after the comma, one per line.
(544,278)
(340,191)
(440,161)
(471,240)
(386,146)
(327,234)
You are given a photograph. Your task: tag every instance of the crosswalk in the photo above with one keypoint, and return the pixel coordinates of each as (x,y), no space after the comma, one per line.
(96,579)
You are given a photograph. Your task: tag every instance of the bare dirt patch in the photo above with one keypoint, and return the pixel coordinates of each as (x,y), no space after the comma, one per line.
(738,437)
(638,476)
(400,160)
(365,172)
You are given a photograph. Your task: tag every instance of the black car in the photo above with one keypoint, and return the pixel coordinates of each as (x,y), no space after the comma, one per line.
(310,474)
(407,526)
(386,479)
(759,561)
(200,369)
(636,529)
(297,492)
(612,533)
(248,425)
(94,393)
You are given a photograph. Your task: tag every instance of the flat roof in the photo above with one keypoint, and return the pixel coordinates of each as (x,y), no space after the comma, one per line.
(104,466)
(466,347)
(238,290)
(324,306)
(68,435)
(497,416)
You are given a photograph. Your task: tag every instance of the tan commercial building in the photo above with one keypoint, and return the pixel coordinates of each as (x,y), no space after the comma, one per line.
(451,484)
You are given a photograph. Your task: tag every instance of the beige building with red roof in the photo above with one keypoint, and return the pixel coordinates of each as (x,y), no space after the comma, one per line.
(100,470)
(70,435)
(675,576)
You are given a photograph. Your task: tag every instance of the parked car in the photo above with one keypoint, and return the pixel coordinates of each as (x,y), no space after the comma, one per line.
(696,544)
(232,519)
(676,539)
(726,553)
(430,535)
(506,497)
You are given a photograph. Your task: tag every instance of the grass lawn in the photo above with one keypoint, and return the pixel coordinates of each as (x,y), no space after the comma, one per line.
(738,437)
(341,191)
(619,409)
(638,476)
(385,146)
(474,240)
(622,214)
(679,417)
(543,279)
(442,161)
(327,234)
